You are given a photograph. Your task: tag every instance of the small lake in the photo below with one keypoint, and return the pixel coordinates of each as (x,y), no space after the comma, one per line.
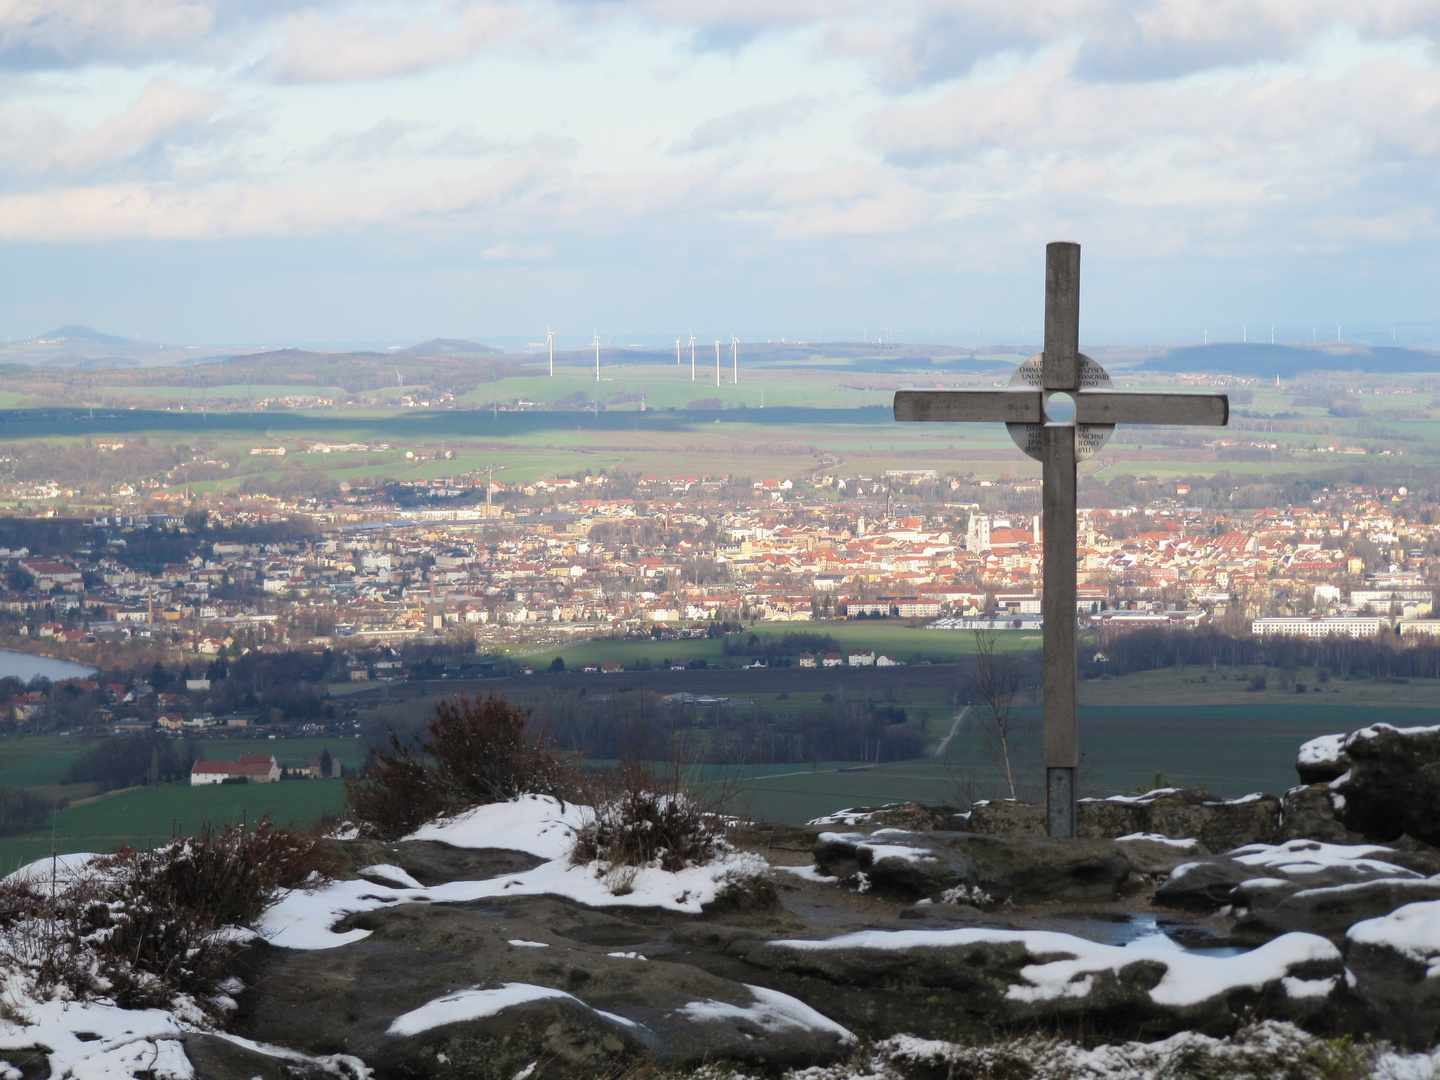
(25,667)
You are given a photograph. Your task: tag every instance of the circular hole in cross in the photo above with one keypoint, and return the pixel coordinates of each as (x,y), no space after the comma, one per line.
(1060,408)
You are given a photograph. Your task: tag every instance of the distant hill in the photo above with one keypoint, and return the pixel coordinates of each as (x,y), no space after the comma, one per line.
(73,332)
(448,347)
(1287,361)
(295,356)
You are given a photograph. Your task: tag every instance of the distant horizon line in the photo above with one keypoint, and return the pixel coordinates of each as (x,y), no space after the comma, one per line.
(1413,335)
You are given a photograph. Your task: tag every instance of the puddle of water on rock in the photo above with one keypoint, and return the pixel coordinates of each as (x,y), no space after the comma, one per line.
(1146,932)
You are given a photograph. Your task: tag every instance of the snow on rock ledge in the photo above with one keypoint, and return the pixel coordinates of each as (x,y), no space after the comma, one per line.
(536,824)
(1008,977)
(1391,783)
(1395,962)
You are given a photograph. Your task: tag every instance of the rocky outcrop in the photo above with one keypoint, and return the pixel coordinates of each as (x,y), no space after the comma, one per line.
(1321,760)
(957,984)
(1218,824)
(977,869)
(1262,876)
(428,861)
(1328,911)
(914,816)
(486,989)
(1392,960)
(1177,813)
(1391,787)
(1307,814)
(1205,886)
(1007,817)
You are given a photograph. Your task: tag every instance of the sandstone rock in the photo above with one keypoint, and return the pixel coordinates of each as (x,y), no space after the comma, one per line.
(431,862)
(960,983)
(31,1064)
(216,1058)
(1279,870)
(914,816)
(590,1013)
(1332,911)
(553,1037)
(1392,786)
(1392,960)
(1008,818)
(1205,886)
(1306,813)
(1263,892)
(957,914)
(977,869)
(1218,824)
(1157,858)
(1322,760)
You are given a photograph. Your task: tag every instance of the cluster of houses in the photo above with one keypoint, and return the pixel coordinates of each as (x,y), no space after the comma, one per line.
(579,559)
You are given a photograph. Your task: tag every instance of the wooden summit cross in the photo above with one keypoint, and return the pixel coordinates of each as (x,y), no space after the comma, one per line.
(1060,408)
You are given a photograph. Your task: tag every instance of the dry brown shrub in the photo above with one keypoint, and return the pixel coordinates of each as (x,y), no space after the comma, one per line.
(646,817)
(140,927)
(474,751)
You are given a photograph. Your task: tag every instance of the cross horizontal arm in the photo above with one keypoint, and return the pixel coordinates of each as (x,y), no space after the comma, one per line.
(1120,407)
(1006,406)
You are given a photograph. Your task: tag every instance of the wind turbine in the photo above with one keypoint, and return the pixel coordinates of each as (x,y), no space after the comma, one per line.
(550,341)
(677,352)
(717,362)
(597,372)
(692,355)
(734,360)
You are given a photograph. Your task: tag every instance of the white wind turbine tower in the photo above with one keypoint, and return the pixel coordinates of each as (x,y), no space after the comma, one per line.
(597,372)
(677,352)
(717,362)
(734,360)
(550,341)
(692,355)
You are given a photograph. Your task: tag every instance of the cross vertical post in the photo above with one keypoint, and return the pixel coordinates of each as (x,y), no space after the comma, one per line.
(1060,372)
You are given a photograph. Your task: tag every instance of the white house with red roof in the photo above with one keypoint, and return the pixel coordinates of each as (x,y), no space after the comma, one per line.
(255,768)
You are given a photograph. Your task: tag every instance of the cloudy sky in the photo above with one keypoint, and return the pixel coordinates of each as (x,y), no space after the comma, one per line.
(283,171)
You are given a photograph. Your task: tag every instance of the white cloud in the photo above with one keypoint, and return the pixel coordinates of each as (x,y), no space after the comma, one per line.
(930,133)
(39,34)
(508,252)
(376,141)
(165,118)
(335,47)
(744,123)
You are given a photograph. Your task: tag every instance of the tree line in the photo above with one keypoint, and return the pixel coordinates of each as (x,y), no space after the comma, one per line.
(1151,648)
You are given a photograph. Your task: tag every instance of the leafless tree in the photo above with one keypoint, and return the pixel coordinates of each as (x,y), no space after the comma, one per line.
(994,684)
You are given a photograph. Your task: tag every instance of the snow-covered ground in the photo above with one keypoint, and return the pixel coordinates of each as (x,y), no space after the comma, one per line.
(95,1040)
(537,824)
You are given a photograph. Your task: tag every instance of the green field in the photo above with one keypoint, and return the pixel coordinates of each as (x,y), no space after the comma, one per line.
(889,636)
(38,760)
(30,761)
(1228,750)
(150,815)
(821,414)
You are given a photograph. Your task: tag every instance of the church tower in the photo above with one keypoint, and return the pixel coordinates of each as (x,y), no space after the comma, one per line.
(977,533)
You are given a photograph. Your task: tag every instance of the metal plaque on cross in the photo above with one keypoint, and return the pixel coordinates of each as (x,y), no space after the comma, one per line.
(1060,407)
